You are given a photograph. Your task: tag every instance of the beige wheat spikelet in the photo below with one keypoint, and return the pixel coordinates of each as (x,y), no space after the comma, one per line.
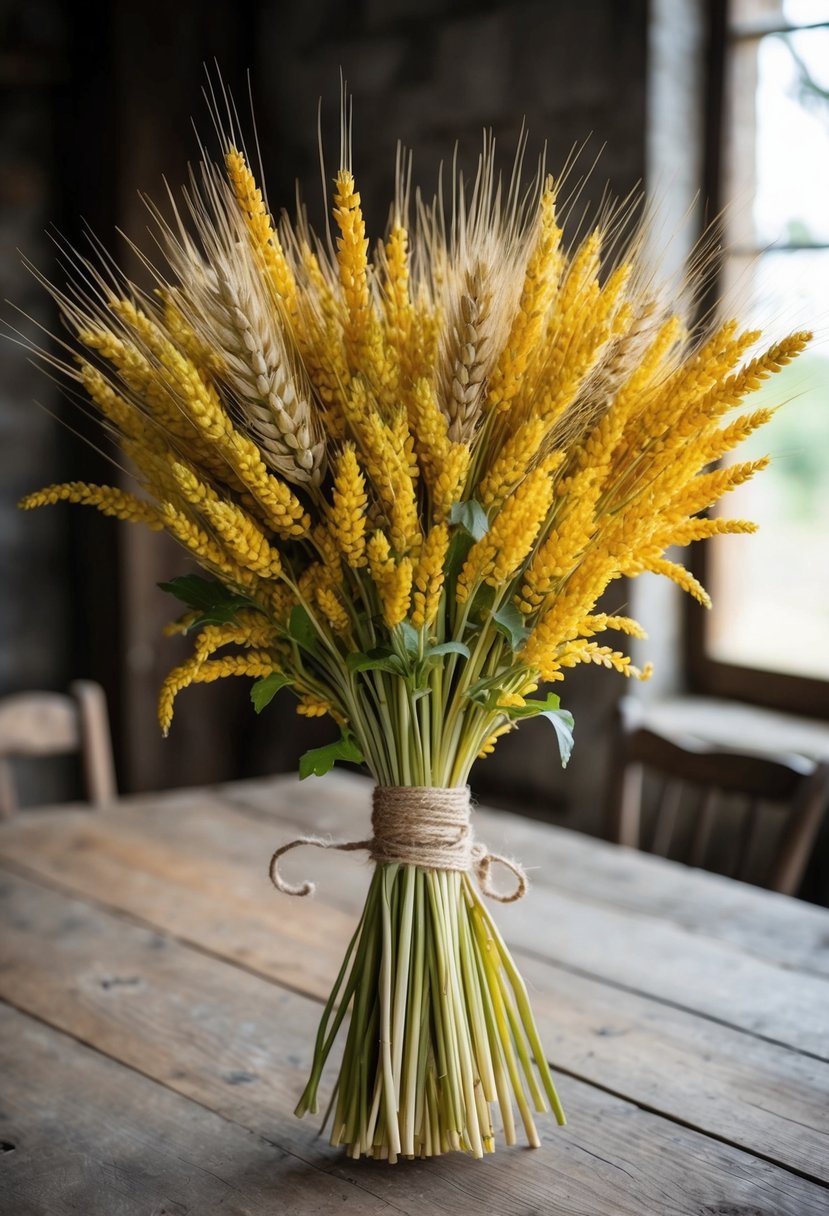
(467,356)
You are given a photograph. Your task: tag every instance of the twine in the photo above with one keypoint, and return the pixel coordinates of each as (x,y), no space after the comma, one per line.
(419,826)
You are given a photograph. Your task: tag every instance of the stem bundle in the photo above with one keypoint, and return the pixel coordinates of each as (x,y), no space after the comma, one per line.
(441,1028)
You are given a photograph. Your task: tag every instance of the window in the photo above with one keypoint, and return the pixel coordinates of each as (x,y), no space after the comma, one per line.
(767,637)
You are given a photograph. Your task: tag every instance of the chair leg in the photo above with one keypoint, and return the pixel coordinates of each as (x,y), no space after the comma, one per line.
(748,833)
(8,794)
(96,742)
(702,828)
(806,817)
(626,825)
(666,816)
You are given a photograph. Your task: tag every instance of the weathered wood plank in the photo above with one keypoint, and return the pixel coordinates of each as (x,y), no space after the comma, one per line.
(774,927)
(83,1134)
(203,853)
(236,1044)
(767,1099)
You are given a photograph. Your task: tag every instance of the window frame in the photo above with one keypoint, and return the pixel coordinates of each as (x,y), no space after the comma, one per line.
(704,674)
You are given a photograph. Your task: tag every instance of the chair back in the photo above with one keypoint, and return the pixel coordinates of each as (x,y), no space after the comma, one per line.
(52,724)
(710,781)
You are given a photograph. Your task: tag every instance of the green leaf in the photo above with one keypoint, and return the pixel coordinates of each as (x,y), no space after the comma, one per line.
(320,760)
(264,690)
(459,547)
(471,516)
(380,659)
(204,595)
(563,723)
(301,629)
(222,614)
(480,609)
(410,638)
(434,652)
(561,719)
(482,691)
(509,621)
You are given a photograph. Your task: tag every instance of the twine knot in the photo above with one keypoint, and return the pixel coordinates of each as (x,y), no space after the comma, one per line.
(420,826)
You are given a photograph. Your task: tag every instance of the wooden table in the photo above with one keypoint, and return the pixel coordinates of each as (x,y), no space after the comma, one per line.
(161,999)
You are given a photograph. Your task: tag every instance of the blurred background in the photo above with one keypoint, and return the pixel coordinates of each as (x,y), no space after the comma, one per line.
(707,106)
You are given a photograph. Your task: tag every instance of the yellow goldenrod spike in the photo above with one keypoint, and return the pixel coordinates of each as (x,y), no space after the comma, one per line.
(540,284)
(395,592)
(262,232)
(387,453)
(248,629)
(498,555)
(397,304)
(244,541)
(429,576)
(513,461)
(557,554)
(598,622)
(312,706)
(115,408)
(430,430)
(683,579)
(188,533)
(352,258)
(348,511)
(451,480)
(334,610)
(729,392)
(550,661)
(237,532)
(702,491)
(107,499)
(699,529)
(488,746)
(193,671)
(312,578)
(181,625)
(379,555)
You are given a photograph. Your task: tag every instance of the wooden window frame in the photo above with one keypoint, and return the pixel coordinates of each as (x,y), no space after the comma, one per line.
(704,674)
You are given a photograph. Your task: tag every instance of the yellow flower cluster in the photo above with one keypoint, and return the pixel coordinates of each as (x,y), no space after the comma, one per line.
(429,576)
(497,424)
(498,555)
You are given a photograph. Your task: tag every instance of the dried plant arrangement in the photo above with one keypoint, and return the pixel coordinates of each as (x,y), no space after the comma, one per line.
(409,472)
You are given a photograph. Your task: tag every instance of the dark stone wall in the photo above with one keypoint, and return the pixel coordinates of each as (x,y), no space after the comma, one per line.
(433,73)
(35,611)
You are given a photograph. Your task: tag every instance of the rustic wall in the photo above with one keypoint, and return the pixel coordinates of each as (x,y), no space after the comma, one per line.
(35,602)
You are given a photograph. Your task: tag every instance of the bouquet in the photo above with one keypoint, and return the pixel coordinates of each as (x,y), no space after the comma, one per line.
(409,472)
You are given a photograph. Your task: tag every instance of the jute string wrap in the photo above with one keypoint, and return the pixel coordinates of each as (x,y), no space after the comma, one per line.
(420,826)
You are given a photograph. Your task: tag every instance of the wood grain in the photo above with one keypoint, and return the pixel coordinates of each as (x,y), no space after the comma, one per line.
(691,1069)
(83,1134)
(772,927)
(237,1044)
(188,858)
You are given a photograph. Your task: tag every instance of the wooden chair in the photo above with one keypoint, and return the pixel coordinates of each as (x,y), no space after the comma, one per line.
(50,724)
(697,771)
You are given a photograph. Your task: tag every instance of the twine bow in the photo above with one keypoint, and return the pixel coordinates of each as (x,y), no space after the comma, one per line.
(416,825)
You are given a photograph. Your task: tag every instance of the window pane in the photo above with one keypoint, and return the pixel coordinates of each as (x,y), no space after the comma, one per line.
(803,12)
(754,13)
(771,592)
(777,184)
